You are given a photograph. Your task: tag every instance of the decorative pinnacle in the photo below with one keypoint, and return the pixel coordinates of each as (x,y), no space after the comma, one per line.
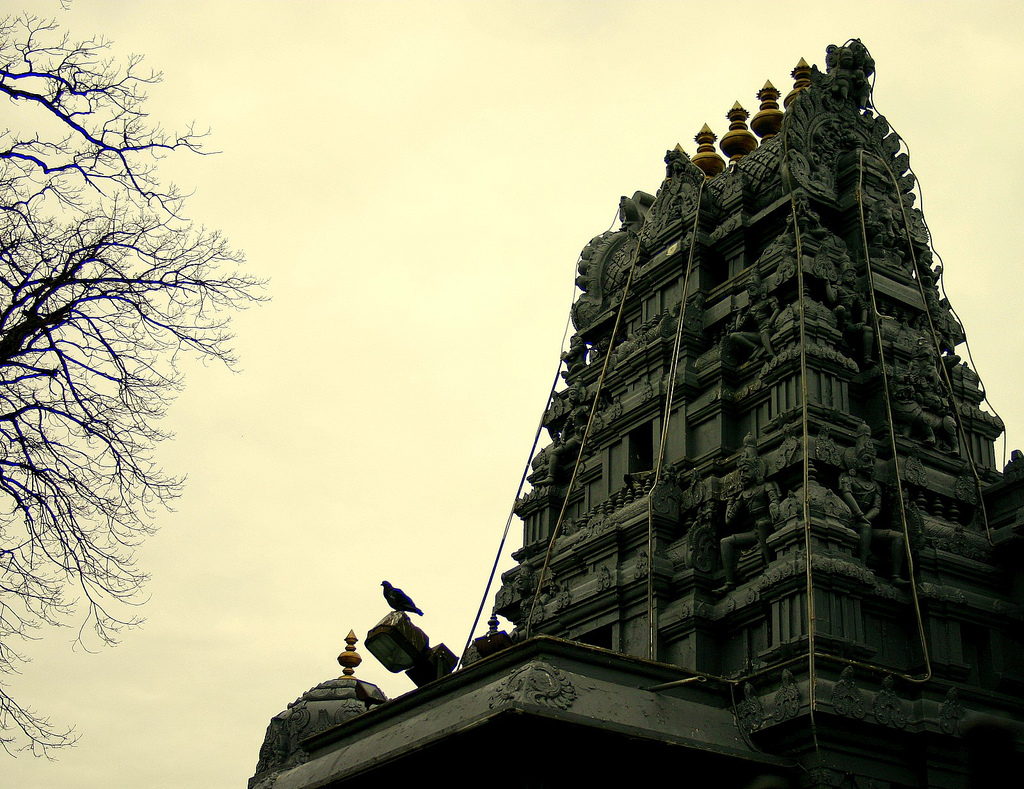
(349,659)
(768,121)
(738,141)
(706,158)
(802,80)
(674,159)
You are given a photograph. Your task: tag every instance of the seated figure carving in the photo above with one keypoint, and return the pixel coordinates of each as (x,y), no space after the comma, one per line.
(863,495)
(849,68)
(567,437)
(852,310)
(754,510)
(919,402)
(755,322)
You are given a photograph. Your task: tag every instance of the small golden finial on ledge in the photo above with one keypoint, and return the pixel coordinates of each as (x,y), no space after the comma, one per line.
(768,121)
(349,659)
(738,141)
(706,158)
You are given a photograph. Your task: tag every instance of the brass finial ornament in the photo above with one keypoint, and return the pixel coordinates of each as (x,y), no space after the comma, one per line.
(801,81)
(706,158)
(768,121)
(738,141)
(349,658)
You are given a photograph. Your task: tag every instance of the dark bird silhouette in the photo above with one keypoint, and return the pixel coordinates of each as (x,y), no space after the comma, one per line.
(399,600)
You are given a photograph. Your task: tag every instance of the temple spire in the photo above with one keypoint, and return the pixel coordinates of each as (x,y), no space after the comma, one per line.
(768,121)
(738,141)
(801,81)
(706,158)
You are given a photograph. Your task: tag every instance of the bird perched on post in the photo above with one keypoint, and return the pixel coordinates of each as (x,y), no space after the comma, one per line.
(399,600)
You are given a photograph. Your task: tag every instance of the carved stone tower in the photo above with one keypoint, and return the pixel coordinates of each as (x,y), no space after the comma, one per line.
(768,464)
(768,540)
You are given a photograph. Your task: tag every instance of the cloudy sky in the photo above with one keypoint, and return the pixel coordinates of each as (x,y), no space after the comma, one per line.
(416,179)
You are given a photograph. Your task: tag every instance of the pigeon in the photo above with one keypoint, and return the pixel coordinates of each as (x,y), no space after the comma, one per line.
(399,600)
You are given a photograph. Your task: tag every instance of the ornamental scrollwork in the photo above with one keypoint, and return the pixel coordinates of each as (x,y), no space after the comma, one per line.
(888,709)
(846,698)
(787,698)
(535,683)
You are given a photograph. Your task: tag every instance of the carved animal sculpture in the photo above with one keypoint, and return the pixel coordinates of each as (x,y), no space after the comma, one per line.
(933,428)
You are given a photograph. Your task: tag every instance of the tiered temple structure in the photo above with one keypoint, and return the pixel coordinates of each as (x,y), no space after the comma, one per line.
(768,536)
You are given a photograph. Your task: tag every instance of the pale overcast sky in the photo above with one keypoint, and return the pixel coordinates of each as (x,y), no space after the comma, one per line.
(417,180)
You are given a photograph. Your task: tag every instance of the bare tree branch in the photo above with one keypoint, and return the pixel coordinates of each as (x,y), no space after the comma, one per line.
(104,287)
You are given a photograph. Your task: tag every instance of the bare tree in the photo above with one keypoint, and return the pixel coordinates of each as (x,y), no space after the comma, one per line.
(104,288)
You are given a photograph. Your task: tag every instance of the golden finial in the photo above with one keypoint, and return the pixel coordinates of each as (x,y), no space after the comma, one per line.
(738,141)
(706,158)
(349,659)
(801,81)
(768,121)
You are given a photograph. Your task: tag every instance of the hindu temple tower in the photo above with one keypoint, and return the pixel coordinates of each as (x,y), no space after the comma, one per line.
(768,539)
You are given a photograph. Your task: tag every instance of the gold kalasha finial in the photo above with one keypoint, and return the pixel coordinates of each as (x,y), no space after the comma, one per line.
(349,658)
(768,121)
(801,81)
(706,158)
(738,141)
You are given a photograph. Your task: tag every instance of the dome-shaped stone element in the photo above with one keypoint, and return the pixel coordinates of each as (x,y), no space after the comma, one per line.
(738,141)
(328,704)
(706,158)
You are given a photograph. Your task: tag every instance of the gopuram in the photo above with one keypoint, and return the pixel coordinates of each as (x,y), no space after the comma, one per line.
(768,543)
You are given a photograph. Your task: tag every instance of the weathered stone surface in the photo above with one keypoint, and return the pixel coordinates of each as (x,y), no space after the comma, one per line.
(544,682)
(787,491)
(809,275)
